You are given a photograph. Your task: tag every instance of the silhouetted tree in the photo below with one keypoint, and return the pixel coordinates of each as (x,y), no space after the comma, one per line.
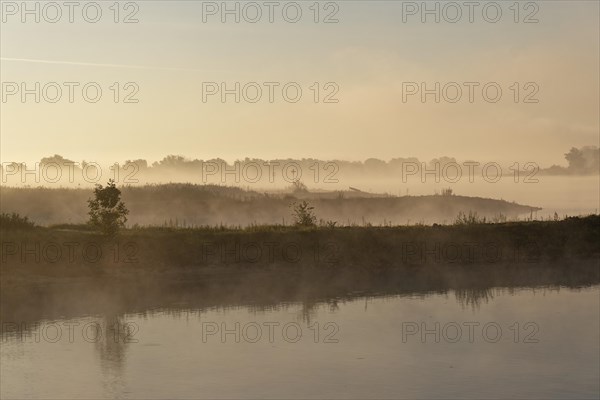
(107,211)
(575,159)
(585,160)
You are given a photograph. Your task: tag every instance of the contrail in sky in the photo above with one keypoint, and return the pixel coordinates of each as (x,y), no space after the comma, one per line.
(32,60)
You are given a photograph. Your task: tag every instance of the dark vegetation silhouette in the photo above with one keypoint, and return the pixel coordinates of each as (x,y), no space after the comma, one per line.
(371,247)
(15,221)
(303,214)
(107,212)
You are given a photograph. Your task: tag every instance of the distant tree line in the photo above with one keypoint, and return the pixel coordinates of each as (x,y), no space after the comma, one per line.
(176,168)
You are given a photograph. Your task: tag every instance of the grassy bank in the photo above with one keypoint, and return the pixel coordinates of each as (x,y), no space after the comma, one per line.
(80,249)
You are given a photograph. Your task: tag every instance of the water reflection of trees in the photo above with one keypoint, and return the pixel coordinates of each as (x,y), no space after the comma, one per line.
(111,349)
(273,289)
(473,298)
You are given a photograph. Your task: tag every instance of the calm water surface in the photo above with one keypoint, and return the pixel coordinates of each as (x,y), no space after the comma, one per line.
(541,343)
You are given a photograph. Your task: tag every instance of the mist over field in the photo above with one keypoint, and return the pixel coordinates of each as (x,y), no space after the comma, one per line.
(183,205)
(256,191)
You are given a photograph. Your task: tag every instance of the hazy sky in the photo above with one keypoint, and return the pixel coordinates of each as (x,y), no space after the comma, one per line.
(369,54)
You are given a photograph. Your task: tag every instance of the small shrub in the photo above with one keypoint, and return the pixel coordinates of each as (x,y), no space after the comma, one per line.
(327,224)
(469,219)
(500,218)
(303,214)
(15,221)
